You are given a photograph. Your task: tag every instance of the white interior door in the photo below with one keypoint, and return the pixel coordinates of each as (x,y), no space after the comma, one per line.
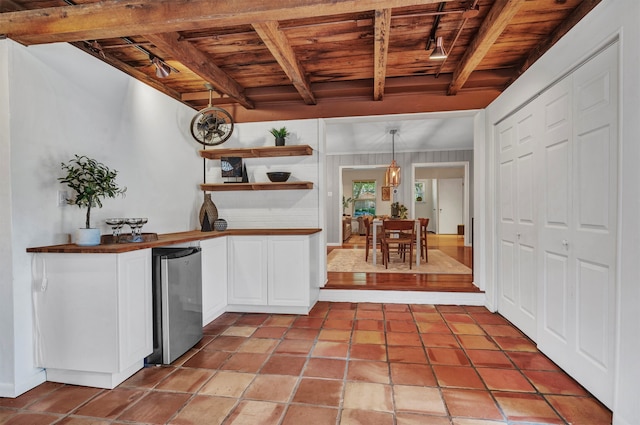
(580,236)
(450,205)
(518,225)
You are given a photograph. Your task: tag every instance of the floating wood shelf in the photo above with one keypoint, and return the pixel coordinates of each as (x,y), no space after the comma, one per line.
(225,187)
(262,152)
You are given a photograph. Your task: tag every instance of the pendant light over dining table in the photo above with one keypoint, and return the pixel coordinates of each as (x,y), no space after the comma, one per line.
(392,176)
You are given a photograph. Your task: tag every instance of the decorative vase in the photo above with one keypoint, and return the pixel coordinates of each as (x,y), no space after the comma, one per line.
(87,237)
(245,176)
(220,224)
(208,214)
(279,141)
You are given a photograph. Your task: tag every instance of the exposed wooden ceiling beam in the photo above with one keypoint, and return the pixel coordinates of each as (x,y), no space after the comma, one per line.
(201,64)
(351,107)
(495,22)
(116,18)
(576,15)
(381,49)
(279,46)
(324,91)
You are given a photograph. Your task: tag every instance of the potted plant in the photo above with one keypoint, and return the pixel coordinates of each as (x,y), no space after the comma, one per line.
(345,204)
(279,134)
(92,181)
(398,210)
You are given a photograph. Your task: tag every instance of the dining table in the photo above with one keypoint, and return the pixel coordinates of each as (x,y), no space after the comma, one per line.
(376,226)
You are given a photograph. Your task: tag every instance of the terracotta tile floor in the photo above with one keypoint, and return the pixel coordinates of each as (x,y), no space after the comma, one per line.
(343,364)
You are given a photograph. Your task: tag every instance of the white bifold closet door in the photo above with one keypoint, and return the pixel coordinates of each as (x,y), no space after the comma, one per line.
(517,145)
(578,226)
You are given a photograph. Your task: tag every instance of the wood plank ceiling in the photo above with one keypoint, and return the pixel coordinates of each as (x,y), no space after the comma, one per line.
(283,59)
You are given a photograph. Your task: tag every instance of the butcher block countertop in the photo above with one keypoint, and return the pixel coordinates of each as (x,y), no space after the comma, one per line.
(168,239)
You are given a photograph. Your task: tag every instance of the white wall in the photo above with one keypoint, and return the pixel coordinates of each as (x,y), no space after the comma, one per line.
(6,267)
(610,19)
(58,101)
(272,208)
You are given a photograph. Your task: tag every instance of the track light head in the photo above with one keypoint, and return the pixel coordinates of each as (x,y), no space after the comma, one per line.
(438,53)
(162,69)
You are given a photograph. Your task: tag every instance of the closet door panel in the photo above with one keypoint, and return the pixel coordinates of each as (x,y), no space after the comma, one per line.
(593,161)
(527,280)
(524,179)
(506,137)
(556,288)
(507,216)
(556,185)
(593,315)
(526,235)
(518,219)
(508,291)
(555,335)
(594,241)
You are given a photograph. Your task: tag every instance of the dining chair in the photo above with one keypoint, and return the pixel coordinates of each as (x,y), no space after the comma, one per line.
(400,234)
(368,226)
(424,223)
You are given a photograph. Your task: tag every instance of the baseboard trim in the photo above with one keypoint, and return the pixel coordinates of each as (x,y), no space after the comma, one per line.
(618,420)
(11,390)
(403,297)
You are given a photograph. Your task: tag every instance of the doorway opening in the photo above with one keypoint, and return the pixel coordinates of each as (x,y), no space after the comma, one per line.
(353,236)
(442,194)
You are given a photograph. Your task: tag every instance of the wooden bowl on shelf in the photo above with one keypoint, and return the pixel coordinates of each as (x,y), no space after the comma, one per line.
(278,176)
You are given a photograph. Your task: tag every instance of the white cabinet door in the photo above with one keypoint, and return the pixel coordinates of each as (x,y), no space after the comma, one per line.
(94,317)
(78,314)
(247,270)
(288,270)
(214,278)
(134,306)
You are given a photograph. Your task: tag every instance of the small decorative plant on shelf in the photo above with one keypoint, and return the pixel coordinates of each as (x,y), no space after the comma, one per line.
(92,181)
(280,134)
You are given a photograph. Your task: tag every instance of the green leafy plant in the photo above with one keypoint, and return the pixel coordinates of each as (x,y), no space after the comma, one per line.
(279,132)
(92,181)
(345,203)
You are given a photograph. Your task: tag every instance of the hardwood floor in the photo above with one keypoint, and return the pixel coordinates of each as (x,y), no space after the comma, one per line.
(451,245)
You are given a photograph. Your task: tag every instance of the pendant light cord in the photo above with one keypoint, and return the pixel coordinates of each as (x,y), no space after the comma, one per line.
(393,143)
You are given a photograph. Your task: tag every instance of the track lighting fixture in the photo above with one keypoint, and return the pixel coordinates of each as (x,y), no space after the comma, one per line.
(162,69)
(438,53)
